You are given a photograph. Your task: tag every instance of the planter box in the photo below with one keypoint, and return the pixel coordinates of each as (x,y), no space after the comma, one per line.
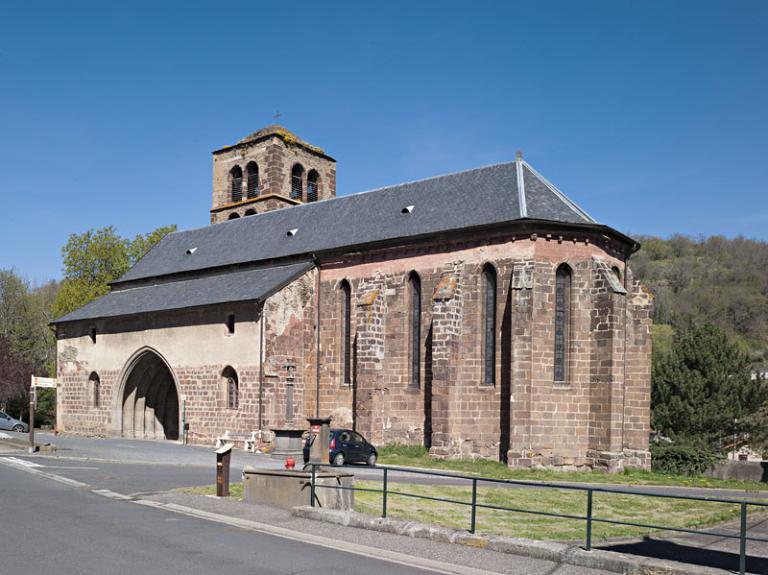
(286,488)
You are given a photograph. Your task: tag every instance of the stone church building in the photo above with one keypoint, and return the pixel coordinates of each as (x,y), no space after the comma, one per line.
(480,313)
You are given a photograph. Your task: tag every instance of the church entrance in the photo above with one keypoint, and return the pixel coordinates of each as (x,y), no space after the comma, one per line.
(150,402)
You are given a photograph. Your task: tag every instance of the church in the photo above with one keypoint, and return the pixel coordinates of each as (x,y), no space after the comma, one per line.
(481,313)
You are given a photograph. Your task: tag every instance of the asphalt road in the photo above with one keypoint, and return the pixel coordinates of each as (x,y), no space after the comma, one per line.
(191,465)
(52,528)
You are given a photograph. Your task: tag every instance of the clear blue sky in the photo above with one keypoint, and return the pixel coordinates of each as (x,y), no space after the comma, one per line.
(651,115)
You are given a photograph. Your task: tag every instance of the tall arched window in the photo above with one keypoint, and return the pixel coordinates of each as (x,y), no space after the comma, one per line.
(297,181)
(232,387)
(95,383)
(346,332)
(489,325)
(236,183)
(414,289)
(252,169)
(312,185)
(562,321)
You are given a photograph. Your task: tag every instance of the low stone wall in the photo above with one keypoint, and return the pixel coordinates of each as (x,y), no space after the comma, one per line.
(287,489)
(740,470)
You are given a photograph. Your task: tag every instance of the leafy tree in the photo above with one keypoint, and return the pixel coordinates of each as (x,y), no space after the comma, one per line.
(96,258)
(702,387)
(14,375)
(24,317)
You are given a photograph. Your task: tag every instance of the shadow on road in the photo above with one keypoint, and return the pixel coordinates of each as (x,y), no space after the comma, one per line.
(727,560)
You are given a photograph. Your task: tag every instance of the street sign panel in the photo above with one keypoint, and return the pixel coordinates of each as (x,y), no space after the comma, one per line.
(43,381)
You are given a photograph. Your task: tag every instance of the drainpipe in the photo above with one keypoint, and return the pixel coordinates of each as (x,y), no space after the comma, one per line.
(261,366)
(317,339)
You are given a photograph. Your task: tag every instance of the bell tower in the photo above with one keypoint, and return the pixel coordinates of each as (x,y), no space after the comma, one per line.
(270,169)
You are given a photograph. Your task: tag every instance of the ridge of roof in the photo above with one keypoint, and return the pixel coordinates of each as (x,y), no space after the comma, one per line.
(521,185)
(565,199)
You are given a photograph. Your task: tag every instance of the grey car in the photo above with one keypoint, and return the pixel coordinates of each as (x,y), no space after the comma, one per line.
(9,423)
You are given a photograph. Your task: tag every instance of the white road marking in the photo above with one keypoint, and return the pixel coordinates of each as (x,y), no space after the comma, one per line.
(23,462)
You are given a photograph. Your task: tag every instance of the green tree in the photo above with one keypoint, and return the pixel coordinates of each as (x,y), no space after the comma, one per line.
(702,387)
(96,258)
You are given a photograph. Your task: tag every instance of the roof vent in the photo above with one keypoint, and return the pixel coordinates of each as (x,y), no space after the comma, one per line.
(190,251)
(407,210)
(292,232)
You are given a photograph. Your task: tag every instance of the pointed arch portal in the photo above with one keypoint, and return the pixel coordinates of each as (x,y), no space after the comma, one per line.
(150,401)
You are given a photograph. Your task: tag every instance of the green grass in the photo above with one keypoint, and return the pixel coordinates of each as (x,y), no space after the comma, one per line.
(417,456)
(647,510)
(235,490)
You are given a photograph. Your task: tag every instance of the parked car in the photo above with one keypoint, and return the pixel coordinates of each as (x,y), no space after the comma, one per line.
(9,423)
(345,446)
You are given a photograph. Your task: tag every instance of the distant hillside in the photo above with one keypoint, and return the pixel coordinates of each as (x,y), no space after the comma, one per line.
(717,280)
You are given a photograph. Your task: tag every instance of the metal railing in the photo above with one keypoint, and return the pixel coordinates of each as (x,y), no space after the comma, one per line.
(589,517)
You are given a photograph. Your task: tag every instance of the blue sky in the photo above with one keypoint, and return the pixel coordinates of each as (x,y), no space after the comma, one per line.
(652,116)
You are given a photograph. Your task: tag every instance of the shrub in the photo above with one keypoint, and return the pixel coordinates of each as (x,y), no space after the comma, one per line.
(682,459)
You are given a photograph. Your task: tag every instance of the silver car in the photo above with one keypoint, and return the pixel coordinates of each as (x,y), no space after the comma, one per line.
(9,423)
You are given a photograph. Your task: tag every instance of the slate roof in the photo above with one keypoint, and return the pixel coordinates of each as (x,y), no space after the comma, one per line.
(478,197)
(253,284)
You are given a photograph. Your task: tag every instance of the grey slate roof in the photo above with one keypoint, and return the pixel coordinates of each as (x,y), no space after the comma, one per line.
(253,284)
(483,196)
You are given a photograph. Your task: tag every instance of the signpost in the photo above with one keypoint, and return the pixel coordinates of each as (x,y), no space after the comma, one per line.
(46,382)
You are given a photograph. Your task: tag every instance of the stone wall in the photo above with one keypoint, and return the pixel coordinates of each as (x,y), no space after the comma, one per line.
(596,418)
(196,347)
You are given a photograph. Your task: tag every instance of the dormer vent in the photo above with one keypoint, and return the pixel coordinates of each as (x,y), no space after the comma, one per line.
(407,210)
(292,232)
(190,251)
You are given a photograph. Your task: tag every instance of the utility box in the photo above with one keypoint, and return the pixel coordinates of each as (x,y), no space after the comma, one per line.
(320,428)
(223,456)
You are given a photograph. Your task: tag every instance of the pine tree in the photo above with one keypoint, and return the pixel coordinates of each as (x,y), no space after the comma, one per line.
(702,387)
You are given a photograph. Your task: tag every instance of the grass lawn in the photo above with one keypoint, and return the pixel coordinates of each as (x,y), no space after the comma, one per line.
(649,510)
(415,456)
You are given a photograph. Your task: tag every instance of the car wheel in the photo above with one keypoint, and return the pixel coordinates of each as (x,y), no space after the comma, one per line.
(18,428)
(338,461)
(372,459)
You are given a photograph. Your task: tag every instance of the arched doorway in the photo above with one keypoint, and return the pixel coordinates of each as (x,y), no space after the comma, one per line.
(150,402)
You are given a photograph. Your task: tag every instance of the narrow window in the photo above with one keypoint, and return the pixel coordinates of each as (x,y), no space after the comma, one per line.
(297,182)
(231,323)
(95,388)
(312,186)
(231,383)
(252,170)
(489,325)
(562,321)
(93,335)
(236,180)
(346,332)
(414,287)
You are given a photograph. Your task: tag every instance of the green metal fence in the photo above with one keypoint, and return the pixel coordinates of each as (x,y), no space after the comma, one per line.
(589,517)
